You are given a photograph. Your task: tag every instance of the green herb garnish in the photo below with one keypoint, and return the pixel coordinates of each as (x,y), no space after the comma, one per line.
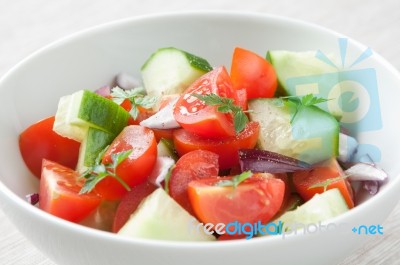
(324,184)
(99,171)
(226,105)
(137,98)
(235,181)
(300,102)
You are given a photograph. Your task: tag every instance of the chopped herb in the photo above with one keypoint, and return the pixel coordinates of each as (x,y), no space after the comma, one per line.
(324,184)
(226,105)
(137,98)
(300,102)
(235,181)
(99,171)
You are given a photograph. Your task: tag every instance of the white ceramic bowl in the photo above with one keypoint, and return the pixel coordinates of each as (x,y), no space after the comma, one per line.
(91,58)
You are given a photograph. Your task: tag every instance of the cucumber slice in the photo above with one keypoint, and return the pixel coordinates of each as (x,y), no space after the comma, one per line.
(84,109)
(165,147)
(312,137)
(320,208)
(170,71)
(302,73)
(93,143)
(160,217)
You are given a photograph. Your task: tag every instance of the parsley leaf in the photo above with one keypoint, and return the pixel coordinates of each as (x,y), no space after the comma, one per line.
(235,181)
(299,102)
(226,105)
(136,97)
(324,184)
(99,171)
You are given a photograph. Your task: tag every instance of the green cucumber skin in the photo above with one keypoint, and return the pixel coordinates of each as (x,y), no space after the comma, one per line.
(96,141)
(195,61)
(198,62)
(99,113)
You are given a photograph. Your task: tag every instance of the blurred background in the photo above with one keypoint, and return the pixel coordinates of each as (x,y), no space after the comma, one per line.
(28,25)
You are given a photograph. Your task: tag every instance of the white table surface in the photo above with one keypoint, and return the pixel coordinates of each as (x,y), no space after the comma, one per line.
(26,26)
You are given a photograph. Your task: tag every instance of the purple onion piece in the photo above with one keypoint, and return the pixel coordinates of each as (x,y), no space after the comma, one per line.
(269,162)
(103,91)
(371,186)
(365,172)
(127,81)
(32,198)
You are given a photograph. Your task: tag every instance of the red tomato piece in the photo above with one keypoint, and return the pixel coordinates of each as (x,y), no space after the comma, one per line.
(254,73)
(136,168)
(258,198)
(197,117)
(320,173)
(39,142)
(163,133)
(191,166)
(130,202)
(59,193)
(226,148)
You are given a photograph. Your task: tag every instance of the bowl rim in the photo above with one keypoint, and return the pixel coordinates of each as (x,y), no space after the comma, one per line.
(216,14)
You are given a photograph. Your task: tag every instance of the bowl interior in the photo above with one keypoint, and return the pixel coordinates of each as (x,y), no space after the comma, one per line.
(90,59)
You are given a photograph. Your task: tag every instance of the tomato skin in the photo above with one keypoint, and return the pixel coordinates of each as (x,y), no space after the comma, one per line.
(163,133)
(226,148)
(204,120)
(258,198)
(191,166)
(39,142)
(136,168)
(130,202)
(256,74)
(59,193)
(303,180)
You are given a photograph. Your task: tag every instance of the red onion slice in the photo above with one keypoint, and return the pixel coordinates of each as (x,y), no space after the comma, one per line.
(269,162)
(103,91)
(371,186)
(160,171)
(32,198)
(365,172)
(127,81)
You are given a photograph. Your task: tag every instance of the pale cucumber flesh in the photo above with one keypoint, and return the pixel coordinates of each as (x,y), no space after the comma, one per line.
(170,71)
(302,73)
(320,208)
(312,136)
(160,217)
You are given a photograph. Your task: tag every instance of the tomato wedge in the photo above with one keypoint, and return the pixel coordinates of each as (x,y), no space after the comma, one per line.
(136,168)
(204,120)
(39,142)
(59,193)
(129,204)
(191,166)
(254,73)
(258,198)
(325,171)
(226,148)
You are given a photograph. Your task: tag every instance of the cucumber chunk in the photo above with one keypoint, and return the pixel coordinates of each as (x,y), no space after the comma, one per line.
(160,217)
(313,135)
(170,71)
(302,73)
(93,143)
(166,148)
(320,208)
(84,109)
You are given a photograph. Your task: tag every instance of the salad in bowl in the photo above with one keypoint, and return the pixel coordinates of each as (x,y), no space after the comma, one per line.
(230,153)
(137,144)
